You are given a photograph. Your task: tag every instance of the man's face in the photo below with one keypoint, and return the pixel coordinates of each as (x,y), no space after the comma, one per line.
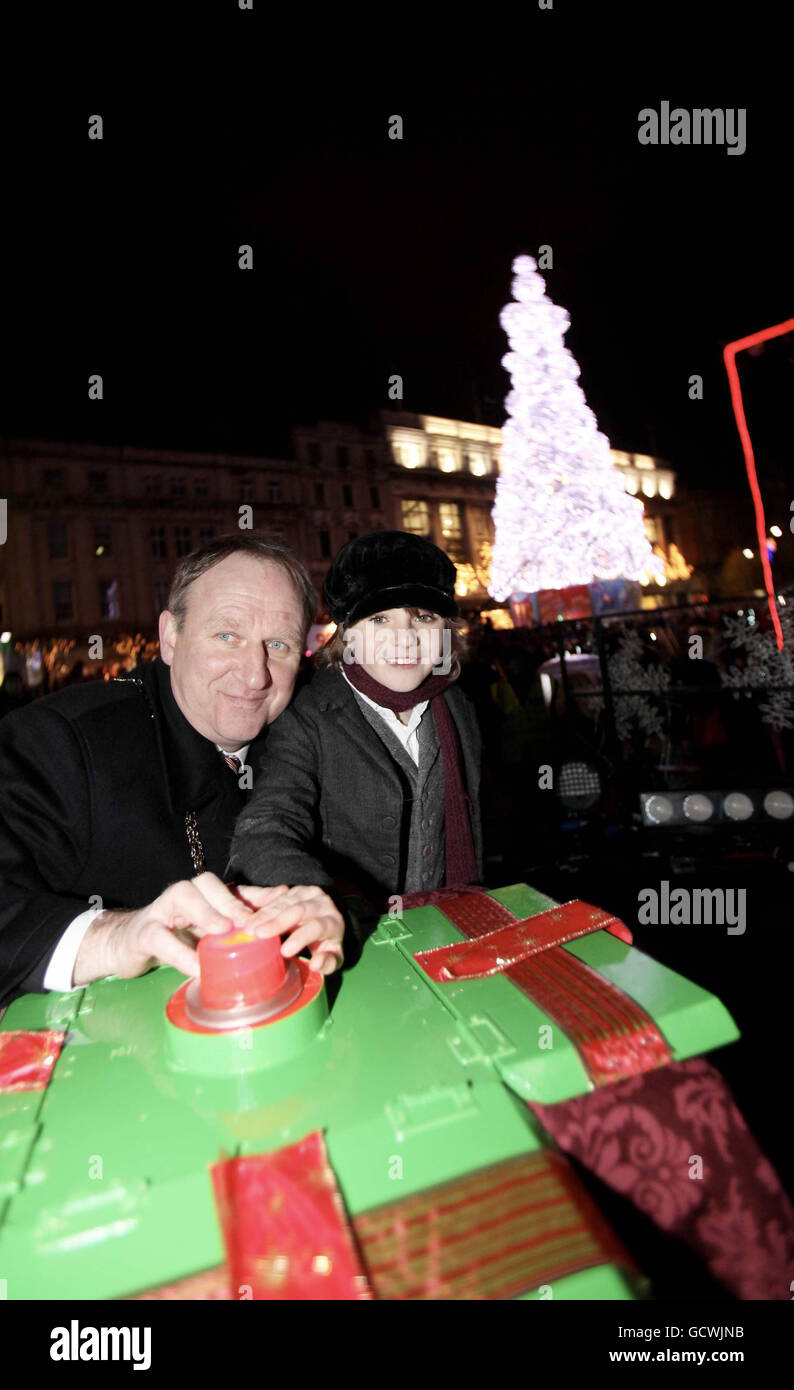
(234,663)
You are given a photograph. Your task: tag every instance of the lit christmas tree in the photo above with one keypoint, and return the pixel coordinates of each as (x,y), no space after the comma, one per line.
(562,516)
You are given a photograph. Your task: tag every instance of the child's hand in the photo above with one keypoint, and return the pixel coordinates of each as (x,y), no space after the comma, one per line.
(312,919)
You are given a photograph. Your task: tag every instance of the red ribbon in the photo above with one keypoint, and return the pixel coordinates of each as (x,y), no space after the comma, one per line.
(494,952)
(614,1036)
(285,1226)
(494,1233)
(27,1058)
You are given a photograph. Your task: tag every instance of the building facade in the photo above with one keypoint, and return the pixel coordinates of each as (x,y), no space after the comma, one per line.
(94,532)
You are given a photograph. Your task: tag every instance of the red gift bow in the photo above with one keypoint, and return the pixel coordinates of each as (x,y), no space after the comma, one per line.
(497,950)
(613,1035)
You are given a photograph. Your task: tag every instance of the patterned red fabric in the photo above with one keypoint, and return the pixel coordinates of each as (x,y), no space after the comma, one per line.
(285,1226)
(27,1059)
(492,952)
(637,1136)
(643,1138)
(613,1035)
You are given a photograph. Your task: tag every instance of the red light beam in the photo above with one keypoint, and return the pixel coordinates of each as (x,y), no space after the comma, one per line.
(729,354)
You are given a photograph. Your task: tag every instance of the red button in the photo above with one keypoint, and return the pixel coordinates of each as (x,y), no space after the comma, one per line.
(238,969)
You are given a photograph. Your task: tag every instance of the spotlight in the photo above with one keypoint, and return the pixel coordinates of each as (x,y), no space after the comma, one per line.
(578,786)
(779,805)
(680,809)
(659,809)
(738,806)
(748,554)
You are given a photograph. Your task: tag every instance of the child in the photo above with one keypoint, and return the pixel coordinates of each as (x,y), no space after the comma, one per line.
(369,780)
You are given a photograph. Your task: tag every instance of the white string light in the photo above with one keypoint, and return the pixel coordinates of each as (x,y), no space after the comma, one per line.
(561,515)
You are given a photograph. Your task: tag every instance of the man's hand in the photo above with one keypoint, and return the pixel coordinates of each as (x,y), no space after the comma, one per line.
(130,943)
(311,917)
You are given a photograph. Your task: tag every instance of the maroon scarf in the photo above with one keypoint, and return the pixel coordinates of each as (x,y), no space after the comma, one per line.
(461,862)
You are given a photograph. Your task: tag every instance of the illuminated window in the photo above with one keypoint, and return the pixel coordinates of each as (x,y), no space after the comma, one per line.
(416,517)
(479,465)
(408,455)
(447,460)
(452,530)
(481,525)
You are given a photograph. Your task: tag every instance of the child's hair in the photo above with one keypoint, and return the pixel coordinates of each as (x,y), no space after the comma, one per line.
(332,654)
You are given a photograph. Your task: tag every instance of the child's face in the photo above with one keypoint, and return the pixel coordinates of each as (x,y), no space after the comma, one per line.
(398,647)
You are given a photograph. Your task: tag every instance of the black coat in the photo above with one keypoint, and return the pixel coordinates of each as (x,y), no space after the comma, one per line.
(95,783)
(330,803)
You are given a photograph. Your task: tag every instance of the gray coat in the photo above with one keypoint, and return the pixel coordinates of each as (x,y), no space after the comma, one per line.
(331,805)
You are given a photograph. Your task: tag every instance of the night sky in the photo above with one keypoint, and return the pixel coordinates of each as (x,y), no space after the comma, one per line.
(374,256)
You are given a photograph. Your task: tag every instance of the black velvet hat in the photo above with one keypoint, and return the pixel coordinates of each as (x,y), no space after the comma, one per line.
(389,569)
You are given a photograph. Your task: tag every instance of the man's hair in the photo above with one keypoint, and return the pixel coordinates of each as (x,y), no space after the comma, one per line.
(261,547)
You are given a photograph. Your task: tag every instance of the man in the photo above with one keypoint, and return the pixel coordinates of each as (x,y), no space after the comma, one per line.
(119,799)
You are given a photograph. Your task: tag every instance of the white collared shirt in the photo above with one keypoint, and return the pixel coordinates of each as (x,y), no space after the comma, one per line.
(242,753)
(60,970)
(406,733)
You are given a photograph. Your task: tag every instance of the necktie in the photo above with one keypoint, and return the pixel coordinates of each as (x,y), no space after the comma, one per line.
(231,761)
